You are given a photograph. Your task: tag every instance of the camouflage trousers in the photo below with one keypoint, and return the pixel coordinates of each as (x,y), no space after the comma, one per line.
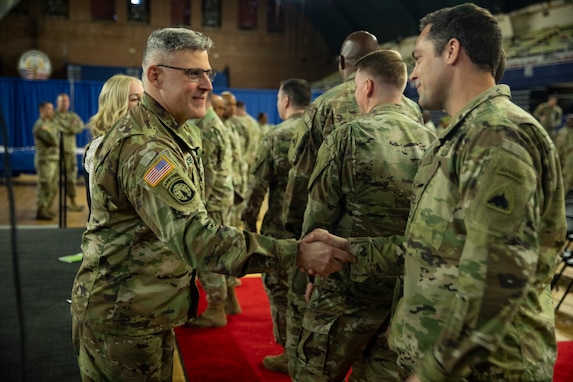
(344,326)
(106,357)
(71,163)
(215,285)
(276,286)
(48,175)
(295,313)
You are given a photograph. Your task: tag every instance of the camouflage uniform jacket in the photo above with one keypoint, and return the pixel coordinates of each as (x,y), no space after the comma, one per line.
(270,172)
(70,124)
(148,227)
(251,133)
(46,140)
(564,144)
(240,165)
(332,109)
(362,185)
(217,162)
(480,249)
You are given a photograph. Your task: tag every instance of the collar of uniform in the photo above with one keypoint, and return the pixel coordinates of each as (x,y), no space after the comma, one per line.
(188,132)
(386,107)
(155,107)
(295,115)
(458,120)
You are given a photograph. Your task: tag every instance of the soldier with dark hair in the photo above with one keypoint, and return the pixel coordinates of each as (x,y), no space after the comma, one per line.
(486,226)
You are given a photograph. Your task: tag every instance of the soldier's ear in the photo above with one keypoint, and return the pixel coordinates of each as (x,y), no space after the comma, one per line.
(369,87)
(153,75)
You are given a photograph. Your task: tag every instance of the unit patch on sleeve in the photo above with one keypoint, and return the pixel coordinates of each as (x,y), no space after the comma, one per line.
(158,171)
(501,199)
(181,191)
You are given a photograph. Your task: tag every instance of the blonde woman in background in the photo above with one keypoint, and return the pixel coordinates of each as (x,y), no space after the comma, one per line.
(119,94)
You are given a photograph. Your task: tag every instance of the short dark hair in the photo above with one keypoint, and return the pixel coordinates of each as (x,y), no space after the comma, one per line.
(474,27)
(386,66)
(298,91)
(43,104)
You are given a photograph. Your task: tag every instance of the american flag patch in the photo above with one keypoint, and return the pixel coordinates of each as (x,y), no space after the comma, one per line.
(159,170)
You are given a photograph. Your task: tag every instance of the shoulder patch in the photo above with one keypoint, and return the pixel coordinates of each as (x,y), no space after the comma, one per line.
(158,171)
(501,199)
(181,191)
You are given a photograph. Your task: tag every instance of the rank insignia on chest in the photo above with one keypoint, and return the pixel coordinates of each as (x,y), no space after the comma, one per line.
(158,171)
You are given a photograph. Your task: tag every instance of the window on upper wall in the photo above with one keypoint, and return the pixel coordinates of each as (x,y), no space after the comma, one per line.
(211,13)
(55,8)
(103,10)
(180,12)
(248,14)
(275,16)
(138,11)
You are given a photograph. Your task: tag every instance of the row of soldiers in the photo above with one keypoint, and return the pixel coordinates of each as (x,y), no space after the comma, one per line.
(354,153)
(345,163)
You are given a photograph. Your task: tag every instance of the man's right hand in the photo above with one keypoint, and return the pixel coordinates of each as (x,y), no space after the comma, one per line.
(321,253)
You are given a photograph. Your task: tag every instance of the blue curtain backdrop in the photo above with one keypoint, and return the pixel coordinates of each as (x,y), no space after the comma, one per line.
(19,104)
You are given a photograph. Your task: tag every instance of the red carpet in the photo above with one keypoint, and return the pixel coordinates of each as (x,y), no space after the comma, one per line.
(235,352)
(564,365)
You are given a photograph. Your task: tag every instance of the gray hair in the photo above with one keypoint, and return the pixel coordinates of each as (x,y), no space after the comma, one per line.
(164,41)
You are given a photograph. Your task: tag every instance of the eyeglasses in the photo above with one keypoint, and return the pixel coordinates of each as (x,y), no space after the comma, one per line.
(194,74)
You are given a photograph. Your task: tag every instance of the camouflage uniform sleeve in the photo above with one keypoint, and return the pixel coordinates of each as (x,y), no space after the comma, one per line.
(46,132)
(211,159)
(324,206)
(376,256)
(302,155)
(165,196)
(498,259)
(70,124)
(259,182)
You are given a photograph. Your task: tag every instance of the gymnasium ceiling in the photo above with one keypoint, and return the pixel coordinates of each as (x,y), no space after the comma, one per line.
(388,20)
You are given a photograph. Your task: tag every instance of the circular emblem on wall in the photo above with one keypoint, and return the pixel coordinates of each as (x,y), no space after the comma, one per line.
(34,65)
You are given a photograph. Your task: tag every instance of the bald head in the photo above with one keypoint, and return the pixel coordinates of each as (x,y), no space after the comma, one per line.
(355,46)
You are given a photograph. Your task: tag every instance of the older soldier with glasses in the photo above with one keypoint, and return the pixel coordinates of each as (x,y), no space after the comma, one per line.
(149,227)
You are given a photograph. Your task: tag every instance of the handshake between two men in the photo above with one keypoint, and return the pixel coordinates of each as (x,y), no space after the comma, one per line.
(321,253)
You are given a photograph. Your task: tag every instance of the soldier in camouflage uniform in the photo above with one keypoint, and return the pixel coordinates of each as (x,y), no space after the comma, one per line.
(564,144)
(149,226)
(70,124)
(217,162)
(240,165)
(252,130)
(329,111)
(549,114)
(361,186)
(270,173)
(486,226)
(46,160)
